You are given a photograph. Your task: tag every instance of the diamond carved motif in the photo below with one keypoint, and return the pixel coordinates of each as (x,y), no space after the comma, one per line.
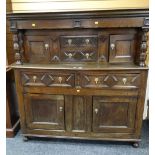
(47,79)
(135,80)
(110,80)
(25,79)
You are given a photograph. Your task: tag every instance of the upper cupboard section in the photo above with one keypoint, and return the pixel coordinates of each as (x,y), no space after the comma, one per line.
(89,45)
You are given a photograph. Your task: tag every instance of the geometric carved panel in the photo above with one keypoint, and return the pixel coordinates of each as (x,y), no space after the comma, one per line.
(25,78)
(47,79)
(110,80)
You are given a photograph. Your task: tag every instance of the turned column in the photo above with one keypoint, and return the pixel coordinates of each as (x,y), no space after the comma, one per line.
(17,42)
(143,44)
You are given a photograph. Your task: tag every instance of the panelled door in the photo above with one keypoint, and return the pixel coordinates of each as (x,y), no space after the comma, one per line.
(44,111)
(114,114)
(37,49)
(122,48)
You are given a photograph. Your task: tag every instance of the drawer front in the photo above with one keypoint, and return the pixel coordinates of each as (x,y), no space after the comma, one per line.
(79,48)
(109,80)
(51,79)
(80,23)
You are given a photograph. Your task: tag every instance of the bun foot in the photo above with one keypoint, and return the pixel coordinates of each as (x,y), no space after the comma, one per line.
(136,144)
(25,139)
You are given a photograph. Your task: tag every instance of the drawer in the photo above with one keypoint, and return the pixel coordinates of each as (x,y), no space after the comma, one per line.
(79,48)
(46,24)
(46,78)
(109,80)
(79,23)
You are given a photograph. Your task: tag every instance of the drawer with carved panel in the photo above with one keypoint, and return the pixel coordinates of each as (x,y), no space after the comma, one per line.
(105,79)
(79,48)
(48,78)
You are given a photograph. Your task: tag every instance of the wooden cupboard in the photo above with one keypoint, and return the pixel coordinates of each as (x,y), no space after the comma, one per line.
(81,74)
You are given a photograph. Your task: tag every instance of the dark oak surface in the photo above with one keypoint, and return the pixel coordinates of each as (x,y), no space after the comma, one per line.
(12,115)
(81,74)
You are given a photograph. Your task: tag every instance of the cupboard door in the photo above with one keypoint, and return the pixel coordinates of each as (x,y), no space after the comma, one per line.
(44,111)
(114,114)
(121,48)
(78,113)
(38,49)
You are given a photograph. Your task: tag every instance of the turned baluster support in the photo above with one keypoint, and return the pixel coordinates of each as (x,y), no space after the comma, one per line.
(143,45)
(16,48)
(17,42)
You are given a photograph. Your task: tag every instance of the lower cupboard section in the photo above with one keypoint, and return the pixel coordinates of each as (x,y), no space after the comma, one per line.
(80,116)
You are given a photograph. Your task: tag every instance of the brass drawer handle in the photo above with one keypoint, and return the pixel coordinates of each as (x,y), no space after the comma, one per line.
(46,46)
(69,42)
(34,78)
(96,110)
(112,46)
(33,24)
(60,79)
(124,80)
(70,55)
(96,80)
(16,46)
(87,55)
(60,109)
(87,41)
(78,90)
(96,22)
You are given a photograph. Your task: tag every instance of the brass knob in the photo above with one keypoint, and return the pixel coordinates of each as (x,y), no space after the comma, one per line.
(96,110)
(60,79)
(69,41)
(96,80)
(78,90)
(16,46)
(70,55)
(60,109)
(112,46)
(46,46)
(124,80)
(87,55)
(96,22)
(87,41)
(34,78)
(33,24)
